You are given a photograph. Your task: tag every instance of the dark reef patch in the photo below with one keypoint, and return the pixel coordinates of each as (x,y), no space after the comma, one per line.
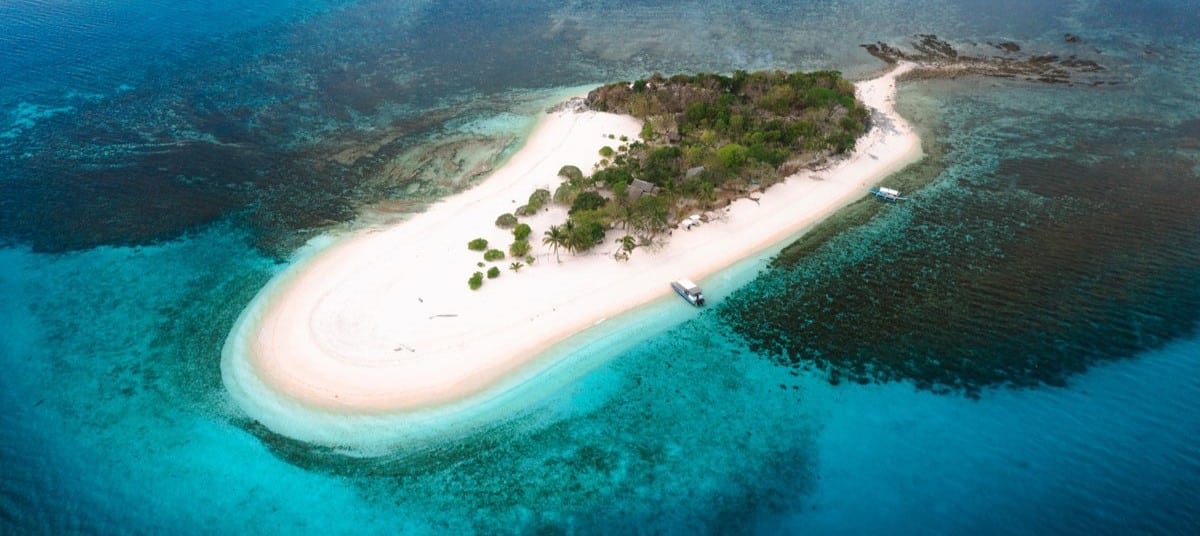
(1022,278)
(288,129)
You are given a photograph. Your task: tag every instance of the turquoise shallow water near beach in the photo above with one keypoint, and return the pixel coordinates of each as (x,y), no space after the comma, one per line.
(1014,351)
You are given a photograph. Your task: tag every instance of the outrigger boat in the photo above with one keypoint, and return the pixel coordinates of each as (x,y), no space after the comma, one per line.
(888,194)
(689,291)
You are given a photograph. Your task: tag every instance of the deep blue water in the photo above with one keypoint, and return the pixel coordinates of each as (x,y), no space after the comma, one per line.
(157,159)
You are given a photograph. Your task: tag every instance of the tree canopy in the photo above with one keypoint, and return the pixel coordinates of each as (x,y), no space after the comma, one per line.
(705,137)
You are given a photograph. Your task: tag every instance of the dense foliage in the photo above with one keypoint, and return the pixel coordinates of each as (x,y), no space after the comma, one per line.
(706,138)
(748,125)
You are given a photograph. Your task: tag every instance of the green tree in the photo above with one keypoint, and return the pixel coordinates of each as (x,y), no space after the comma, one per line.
(628,243)
(584,231)
(647,132)
(506,220)
(493,272)
(651,214)
(519,248)
(570,173)
(565,193)
(611,176)
(732,156)
(588,200)
(475,281)
(478,244)
(537,200)
(556,237)
(522,232)
(663,165)
(493,255)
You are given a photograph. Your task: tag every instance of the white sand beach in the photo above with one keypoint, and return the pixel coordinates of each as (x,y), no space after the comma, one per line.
(382,321)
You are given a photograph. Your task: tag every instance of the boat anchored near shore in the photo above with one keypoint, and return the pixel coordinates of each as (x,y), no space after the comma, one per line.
(888,194)
(689,291)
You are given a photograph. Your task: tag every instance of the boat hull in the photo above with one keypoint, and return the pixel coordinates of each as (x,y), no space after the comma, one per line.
(693,295)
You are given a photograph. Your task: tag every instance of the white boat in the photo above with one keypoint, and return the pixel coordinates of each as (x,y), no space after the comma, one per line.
(888,194)
(689,291)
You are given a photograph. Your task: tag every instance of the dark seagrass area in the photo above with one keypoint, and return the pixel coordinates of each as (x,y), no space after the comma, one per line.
(1017,273)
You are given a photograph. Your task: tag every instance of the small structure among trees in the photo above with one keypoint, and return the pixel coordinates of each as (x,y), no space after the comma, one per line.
(638,188)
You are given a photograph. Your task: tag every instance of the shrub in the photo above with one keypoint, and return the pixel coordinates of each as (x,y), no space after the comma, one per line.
(732,156)
(565,193)
(506,221)
(524,210)
(519,249)
(478,244)
(493,272)
(493,255)
(647,131)
(606,151)
(537,200)
(522,232)
(620,190)
(584,232)
(570,173)
(475,281)
(611,176)
(588,200)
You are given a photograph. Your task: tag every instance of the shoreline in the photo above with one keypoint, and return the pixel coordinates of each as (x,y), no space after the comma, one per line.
(381,322)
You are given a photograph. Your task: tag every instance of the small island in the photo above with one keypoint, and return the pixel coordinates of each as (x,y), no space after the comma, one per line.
(385,335)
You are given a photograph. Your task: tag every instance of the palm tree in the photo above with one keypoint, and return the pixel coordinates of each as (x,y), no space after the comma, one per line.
(570,236)
(628,243)
(556,237)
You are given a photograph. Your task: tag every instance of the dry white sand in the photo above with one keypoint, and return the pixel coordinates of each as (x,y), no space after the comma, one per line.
(381,321)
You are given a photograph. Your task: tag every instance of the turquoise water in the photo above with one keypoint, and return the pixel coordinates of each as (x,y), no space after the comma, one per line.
(159,162)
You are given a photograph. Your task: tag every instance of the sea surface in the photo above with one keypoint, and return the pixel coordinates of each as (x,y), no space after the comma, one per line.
(1016,350)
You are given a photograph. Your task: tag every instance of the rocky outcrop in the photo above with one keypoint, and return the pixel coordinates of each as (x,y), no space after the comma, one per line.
(937,58)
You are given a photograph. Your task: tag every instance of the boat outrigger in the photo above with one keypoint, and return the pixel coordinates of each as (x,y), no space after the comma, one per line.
(888,194)
(689,291)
